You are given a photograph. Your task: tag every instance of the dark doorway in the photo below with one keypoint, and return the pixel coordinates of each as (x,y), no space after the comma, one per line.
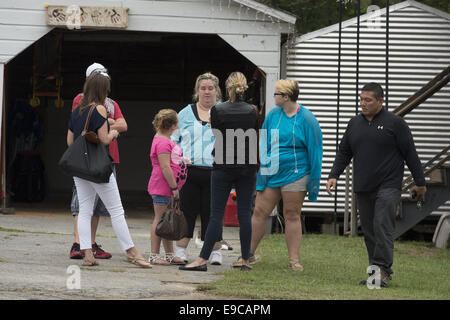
(149,71)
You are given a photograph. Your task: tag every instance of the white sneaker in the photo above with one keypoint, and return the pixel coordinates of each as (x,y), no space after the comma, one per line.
(198,241)
(216,257)
(225,245)
(181,253)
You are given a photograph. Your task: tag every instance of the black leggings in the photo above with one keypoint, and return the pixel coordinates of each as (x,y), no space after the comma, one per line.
(195,199)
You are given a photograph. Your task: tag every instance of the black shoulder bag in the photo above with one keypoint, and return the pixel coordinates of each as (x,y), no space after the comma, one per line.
(87,158)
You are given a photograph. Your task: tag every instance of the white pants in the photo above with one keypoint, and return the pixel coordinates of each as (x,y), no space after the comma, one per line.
(109,193)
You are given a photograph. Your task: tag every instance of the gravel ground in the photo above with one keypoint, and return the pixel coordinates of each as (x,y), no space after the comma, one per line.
(35,264)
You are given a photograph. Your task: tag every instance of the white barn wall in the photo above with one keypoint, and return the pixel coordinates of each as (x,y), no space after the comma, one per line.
(23,21)
(2,71)
(249,31)
(419,49)
(253,33)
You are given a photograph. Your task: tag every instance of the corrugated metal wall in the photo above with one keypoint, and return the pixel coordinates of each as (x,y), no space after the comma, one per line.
(419,49)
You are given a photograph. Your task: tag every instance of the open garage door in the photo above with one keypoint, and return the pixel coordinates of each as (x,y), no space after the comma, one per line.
(149,71)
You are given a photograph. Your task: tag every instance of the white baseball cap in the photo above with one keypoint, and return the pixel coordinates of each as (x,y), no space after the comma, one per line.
(96,67)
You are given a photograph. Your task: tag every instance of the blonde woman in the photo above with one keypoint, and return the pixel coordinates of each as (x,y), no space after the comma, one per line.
(168,176)
(196,140)
(299,163)
(235,166)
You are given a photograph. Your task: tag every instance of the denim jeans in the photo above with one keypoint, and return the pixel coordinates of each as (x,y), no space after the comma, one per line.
(222,180)
(162,200)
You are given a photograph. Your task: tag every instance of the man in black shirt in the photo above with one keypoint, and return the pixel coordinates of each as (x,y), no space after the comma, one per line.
(380,144)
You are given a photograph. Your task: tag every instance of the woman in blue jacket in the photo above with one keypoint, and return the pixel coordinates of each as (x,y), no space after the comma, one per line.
(291,162)
(196,139)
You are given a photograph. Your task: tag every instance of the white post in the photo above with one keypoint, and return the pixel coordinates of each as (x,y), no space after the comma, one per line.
(2,138)
(2,102)
(271,79)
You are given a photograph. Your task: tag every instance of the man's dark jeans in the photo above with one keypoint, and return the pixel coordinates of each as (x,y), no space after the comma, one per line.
(222,180)
(377,213)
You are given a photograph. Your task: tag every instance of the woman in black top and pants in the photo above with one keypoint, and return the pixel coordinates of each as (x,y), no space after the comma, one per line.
(234,125)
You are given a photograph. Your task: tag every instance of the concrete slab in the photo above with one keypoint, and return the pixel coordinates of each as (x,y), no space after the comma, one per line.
(34,261)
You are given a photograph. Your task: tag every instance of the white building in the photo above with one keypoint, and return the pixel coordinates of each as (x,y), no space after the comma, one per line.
(153,62)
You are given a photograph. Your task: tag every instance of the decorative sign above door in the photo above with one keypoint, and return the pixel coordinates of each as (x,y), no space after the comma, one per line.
(76,17)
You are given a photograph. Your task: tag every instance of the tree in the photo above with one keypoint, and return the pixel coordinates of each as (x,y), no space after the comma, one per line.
(316,14)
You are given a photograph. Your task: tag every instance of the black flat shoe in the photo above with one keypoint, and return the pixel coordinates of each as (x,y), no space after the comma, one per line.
(202,267)
(246,268)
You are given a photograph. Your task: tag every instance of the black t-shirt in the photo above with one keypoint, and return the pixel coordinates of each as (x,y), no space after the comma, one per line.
(77,121)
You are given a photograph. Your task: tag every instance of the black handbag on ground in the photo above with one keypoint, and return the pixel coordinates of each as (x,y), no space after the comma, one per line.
(172,225)
(87,158)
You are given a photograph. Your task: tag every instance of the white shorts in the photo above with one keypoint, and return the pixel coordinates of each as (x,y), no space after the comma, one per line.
(296,186)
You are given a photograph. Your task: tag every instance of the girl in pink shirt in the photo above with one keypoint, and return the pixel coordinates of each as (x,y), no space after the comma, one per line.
(168,176)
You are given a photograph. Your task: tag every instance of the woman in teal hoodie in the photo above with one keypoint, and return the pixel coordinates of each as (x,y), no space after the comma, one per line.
(291,162)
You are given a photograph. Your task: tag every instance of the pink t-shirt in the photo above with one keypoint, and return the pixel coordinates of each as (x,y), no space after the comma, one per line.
(115,113)
(158,184)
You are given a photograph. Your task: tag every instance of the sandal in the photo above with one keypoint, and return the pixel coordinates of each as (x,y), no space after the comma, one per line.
(155,258)
(252,260)
(89,260)
(138,261)
(295,265)
(89,263)
(245,267)
(238,263)
(174,260)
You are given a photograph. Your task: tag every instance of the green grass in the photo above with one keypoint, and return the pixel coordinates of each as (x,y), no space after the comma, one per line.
(333,268)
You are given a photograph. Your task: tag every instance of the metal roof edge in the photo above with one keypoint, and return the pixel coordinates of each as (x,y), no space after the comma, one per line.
(366,16)
(287,17)
(425,7)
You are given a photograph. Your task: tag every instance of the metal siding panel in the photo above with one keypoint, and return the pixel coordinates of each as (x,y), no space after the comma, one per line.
(419,50)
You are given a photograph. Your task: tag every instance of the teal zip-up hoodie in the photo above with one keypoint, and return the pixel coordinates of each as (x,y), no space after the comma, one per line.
(284,160)
(195,140)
